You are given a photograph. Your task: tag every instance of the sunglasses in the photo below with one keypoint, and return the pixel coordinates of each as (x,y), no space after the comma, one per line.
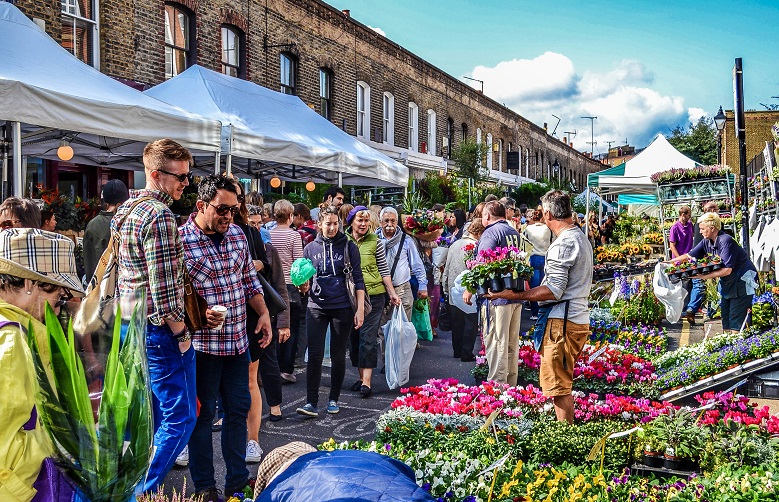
(180,177)
(64,298)
(223,209)
(8,223)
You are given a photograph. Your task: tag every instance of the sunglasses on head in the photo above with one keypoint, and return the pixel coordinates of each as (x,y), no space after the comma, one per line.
(180,177)
(8,223)
(223,209)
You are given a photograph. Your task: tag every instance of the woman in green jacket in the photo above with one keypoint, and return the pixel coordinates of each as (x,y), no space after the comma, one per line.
(376,273)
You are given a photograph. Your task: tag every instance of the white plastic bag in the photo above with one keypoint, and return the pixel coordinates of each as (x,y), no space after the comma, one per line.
(670,295)
(400,340)
(456,294)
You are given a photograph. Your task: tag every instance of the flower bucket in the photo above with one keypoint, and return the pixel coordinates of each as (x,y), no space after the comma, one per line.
(510,282)
(429,236)
(482,289)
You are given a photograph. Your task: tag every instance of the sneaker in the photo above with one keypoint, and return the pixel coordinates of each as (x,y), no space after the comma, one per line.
(365,391)
(533,317)
(253,452)
(183,459)
(208,495)
(308,410)
(289,378)
(332,407)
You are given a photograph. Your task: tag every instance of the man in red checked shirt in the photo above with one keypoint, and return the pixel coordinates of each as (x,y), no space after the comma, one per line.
(218,260)
(301,220)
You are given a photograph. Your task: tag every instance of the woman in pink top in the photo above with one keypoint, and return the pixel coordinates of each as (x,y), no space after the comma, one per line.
(289,245)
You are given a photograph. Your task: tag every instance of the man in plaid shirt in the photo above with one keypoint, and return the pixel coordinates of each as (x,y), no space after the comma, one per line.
(151,258)
(218,260)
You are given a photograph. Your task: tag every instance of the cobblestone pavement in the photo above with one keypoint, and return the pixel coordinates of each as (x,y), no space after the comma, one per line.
(358,416)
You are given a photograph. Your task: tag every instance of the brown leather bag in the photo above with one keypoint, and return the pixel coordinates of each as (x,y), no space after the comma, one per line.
(195,306)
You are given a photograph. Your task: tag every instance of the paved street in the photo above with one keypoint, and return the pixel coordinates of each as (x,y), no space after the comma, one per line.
(358,416)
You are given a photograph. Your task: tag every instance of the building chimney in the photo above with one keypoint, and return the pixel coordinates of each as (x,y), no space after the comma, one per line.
(346,13)
(545,127)
(565,139)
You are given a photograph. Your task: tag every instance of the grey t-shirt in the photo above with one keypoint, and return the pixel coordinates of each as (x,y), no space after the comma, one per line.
(568,274)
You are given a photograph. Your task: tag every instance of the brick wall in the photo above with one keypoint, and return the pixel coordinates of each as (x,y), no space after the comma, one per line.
(320,36)
(758,131)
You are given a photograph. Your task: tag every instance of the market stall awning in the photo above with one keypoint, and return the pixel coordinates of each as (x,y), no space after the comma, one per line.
(57,97)
(633,177)
(281,131)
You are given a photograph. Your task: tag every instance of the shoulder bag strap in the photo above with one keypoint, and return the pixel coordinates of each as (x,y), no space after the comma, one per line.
(397,255)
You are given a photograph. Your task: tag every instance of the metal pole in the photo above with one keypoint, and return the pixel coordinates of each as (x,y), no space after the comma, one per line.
(340,179)
(17,153)
(4,144)
(217,162)
(738,88)
(229,163)
(719,147)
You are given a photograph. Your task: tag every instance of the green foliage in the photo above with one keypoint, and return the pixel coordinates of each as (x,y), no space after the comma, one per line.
(559,442)
(698,141)
(438,189)
(738,445)
(413,202)
(105,466)
(470,158)
(641,308)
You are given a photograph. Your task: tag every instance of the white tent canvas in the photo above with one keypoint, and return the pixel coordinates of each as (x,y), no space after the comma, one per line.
(660,155)
(279,130)
(56,96)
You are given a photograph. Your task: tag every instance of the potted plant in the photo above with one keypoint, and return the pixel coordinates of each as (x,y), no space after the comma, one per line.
(652,451)
(678,432)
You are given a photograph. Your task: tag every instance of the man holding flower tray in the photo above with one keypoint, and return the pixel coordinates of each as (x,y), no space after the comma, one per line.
(563,324)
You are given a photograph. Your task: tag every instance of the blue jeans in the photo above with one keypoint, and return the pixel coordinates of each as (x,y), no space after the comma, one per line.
(697,296)
(174,403)
(228,378)
(537,262)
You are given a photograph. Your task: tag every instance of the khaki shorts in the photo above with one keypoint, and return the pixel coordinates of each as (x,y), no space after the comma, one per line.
(555,379)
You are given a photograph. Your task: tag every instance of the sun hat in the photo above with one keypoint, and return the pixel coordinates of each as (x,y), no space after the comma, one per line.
(32,253)
(115,192)
(353,213)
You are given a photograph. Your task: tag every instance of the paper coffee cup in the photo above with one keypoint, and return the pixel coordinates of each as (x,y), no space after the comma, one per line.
(222,311)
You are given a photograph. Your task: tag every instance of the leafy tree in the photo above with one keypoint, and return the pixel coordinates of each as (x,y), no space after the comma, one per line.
(470,159)
(698,141)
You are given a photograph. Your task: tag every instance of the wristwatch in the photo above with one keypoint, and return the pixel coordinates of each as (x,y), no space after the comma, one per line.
(184,336)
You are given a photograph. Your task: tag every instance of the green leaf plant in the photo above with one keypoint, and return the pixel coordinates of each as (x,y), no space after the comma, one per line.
(106,455)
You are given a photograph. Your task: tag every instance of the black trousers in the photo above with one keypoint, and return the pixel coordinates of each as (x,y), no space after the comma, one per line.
(340,322)
(288,349)
(465,329)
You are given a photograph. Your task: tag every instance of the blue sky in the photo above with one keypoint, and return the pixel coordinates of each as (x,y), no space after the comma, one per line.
(641,67)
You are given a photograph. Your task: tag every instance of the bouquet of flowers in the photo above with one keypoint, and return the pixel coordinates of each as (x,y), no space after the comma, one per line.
(424,225)
(504,268)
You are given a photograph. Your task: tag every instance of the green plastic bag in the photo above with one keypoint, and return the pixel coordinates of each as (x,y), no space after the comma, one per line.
(301,271)
(420,316)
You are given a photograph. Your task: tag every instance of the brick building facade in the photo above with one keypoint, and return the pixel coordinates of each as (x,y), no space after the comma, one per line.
(758,131)
(408,108)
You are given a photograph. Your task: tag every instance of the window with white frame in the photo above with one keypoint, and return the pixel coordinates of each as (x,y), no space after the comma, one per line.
(363,110)
(231,51)
(179,38)
(80,25)
(388,121)
(413,127)
(478,135)
(431,136)
(325,93)
(287,63)
(489,151)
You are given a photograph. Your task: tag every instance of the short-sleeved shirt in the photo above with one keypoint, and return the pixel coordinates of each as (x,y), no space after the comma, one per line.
(681,236)
(733,256)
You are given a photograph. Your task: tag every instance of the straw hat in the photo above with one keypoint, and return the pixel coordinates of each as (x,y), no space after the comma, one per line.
(31,253)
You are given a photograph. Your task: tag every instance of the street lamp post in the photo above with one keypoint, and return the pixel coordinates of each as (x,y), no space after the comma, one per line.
(719,121)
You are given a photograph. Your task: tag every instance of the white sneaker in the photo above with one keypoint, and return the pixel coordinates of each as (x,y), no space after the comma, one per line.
(253,452)
(183,459)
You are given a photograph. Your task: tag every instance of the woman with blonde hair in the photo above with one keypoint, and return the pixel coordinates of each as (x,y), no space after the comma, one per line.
(737,275)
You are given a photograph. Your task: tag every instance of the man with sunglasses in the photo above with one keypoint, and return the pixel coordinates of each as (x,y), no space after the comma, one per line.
(218,260)
(151,258)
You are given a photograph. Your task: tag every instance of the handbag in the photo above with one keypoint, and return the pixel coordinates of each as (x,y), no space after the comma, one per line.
(97,309)
(195,306)
(350,287)
(273,299)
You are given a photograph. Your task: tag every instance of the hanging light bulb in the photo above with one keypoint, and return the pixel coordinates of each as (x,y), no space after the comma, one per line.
(275,182)
(310,186)
(65,151)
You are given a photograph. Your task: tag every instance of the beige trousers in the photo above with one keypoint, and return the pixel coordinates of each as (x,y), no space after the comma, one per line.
(500,325)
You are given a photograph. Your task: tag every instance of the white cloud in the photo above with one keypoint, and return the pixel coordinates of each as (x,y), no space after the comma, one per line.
(622,99)
(695,114)
(378,30)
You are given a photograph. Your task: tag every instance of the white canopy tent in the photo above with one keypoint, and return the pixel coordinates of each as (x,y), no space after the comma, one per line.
(285,135)
(50,96)
(631,180)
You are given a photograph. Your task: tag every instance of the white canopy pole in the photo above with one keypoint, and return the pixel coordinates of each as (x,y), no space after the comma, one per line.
(217,162)
(587,208)
(17,153)
(340,179)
